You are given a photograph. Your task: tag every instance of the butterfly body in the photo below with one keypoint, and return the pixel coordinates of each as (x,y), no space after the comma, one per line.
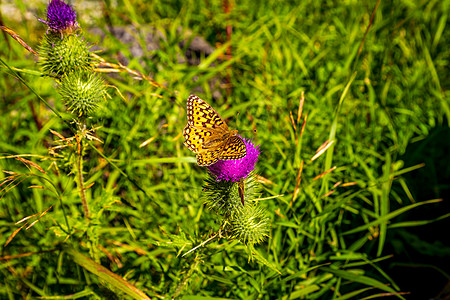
(207,134)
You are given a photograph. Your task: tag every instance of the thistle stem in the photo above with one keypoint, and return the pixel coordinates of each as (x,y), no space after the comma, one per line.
(183,283)
(203,243)
(80,179)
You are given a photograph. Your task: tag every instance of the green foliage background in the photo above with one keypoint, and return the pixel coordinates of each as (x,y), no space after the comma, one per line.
(148,211)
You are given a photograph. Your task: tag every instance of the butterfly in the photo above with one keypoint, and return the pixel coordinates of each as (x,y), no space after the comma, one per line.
(207,134)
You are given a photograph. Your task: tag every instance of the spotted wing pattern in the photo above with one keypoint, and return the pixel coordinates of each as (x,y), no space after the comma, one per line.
(234,149)
(195,138)
(201,115)
(209,157)
(208,135)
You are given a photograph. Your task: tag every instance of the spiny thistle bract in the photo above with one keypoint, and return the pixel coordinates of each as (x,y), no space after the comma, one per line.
(250,224)
(82,92)
(59,56)
(223,196)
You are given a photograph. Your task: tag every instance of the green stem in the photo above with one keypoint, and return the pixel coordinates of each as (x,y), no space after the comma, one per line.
(183,283)
(80,179)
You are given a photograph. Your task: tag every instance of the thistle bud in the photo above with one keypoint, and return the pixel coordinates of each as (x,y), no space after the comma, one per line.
(82,93)
(250,224)
(62,56)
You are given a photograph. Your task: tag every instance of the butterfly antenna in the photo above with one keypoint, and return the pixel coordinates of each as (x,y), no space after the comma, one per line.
(237,116)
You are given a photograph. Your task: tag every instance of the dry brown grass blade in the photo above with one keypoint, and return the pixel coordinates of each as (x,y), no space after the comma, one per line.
(303,125)
(323,146)
(292,121)
(7,179)
(8,257)
(337,184)
(328,194)
(261,179)
(14,234)
(145,143)
(368,27)
(324,173)
(11,173)
(297,187)
(278,213)
(138,250)
(106,67)
(43,213)
(52,149)
(16,182)
(111,257)
(58,135)
(300,107)
(93,138)
(119,93)
(36,187)
(89,186)
(322,149)
(26,218)
(30,163)
(177,137)
(15,36)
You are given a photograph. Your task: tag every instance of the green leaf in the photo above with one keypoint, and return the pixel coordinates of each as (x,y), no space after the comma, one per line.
(113,281)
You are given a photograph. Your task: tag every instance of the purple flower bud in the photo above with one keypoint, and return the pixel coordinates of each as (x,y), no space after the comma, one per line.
(60,17)
(234,170)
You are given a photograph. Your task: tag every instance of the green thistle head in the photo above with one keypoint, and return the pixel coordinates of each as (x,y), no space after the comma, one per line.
(234,201)
(227,197)
(62,55)
(221,196)
(250,225)
(82,92)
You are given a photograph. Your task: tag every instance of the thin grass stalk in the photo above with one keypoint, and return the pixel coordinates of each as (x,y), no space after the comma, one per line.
(332,137)
(227,4)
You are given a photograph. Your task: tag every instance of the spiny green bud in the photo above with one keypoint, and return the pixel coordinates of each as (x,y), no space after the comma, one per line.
(82,92)
(59,55)
(250,225)
(221,196)
(227,197)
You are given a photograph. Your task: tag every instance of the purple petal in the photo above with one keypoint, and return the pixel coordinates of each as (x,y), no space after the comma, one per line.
(234,170)
(60,16)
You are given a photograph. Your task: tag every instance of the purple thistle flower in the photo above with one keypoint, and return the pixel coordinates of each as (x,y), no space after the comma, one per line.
(60,17)
(234,170)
